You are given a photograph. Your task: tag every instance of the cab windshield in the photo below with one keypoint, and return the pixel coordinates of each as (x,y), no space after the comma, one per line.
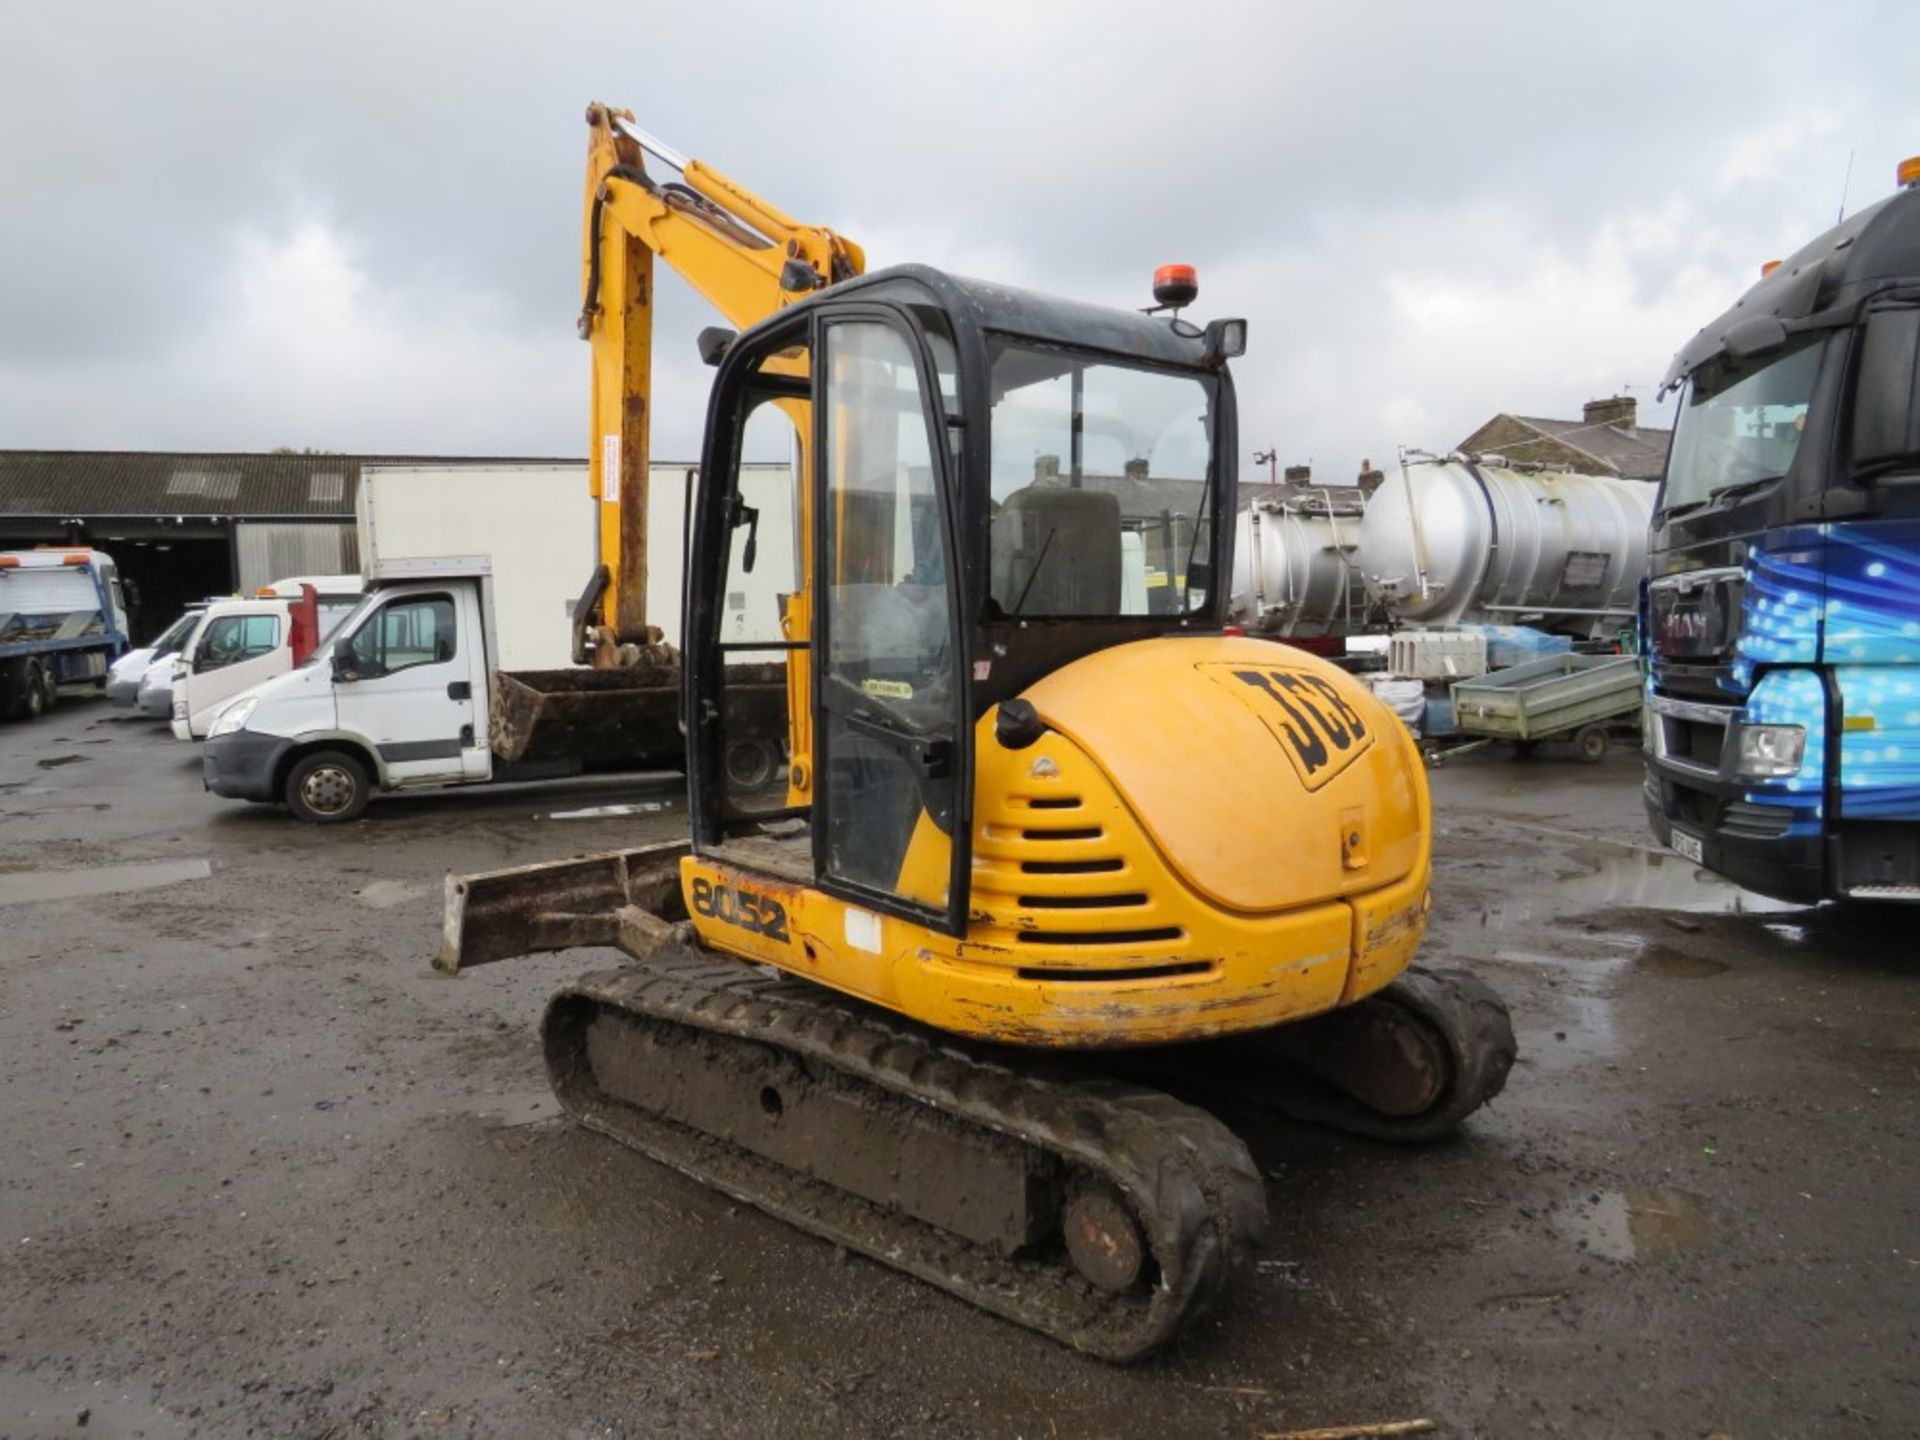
(175,634)
(336,621)
(1101,485)
(1739,426)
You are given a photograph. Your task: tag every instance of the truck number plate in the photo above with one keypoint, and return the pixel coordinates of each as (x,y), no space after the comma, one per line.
(1687,846)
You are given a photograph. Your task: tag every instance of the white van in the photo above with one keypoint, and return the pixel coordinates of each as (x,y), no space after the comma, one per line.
(126,673)
(238,643)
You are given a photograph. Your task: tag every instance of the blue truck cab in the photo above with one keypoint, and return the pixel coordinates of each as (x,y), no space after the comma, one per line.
(63,621)
(1781,613)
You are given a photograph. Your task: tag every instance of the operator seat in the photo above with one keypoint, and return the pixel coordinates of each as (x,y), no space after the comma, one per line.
(1059,548)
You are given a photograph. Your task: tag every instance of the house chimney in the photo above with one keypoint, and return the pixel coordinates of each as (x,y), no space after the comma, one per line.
(1620,410)
(1046,468)
(1136,468)
(1297,474)
(1370,478)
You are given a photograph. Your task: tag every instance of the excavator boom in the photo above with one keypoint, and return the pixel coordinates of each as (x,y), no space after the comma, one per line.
(748,259)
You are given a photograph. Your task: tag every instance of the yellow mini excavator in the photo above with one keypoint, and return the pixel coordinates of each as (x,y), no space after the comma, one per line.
(1055,844)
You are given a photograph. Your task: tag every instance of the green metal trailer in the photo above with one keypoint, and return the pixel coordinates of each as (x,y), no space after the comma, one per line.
(1579,697)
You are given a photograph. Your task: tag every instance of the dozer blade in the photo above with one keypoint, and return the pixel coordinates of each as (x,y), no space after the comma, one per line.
(628,898)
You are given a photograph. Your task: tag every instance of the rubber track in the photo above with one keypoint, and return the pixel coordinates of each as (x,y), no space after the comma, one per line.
(1189,1179)
(1475,1032)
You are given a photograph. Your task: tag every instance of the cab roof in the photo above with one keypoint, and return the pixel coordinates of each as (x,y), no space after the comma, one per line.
(1822,283)
(1049,319)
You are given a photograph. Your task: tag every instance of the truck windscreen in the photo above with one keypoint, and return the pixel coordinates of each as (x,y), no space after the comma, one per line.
(1739,426)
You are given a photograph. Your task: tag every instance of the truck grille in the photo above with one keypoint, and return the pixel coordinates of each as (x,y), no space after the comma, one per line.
(1700,743)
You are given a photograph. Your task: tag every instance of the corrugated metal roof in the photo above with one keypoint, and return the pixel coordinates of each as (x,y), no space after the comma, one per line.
(85,483)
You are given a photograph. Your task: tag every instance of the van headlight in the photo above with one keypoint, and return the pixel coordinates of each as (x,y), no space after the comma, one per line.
(233,718)
(1770,751)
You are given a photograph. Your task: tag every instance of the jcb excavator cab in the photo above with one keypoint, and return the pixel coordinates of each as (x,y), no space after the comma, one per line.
(1000,483)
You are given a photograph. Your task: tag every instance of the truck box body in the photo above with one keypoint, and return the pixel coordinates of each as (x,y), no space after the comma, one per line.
(534,523)
(534,528)
(537,525)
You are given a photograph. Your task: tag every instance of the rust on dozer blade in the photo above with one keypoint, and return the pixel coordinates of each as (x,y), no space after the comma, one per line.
(628,898)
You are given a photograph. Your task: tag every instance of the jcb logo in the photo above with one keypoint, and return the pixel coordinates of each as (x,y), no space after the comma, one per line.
(1318,727)
(756,914)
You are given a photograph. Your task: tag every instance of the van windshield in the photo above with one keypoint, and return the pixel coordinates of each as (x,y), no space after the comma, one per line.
(338,618)
(171,638)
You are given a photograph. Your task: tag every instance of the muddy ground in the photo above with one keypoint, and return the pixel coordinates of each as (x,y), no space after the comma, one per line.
(262,1173)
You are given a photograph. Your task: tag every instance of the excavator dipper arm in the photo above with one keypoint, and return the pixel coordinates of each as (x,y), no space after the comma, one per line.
(744,255)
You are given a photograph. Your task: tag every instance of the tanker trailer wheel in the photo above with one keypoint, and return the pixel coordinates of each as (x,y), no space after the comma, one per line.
(327,787)
(751,765)
(1590,743)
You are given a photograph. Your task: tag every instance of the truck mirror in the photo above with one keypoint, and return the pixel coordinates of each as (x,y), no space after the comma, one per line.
(342,662)
(1885,413)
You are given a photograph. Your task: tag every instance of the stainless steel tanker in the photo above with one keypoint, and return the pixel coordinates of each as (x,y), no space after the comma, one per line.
(1293,562)
(1462,540)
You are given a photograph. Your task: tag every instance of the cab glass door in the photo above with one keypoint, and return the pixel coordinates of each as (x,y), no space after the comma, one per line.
(888,689)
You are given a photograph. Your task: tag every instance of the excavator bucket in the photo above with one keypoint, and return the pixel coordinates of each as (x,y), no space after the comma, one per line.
(625,898)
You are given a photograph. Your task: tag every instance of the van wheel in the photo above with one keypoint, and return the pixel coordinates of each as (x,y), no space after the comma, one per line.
(327,788)
(33,694)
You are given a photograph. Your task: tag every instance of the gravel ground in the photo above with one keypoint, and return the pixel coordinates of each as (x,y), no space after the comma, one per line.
(266,1175)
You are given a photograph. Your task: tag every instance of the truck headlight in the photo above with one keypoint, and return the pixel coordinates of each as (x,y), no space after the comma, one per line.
(1770,751)
(233,718)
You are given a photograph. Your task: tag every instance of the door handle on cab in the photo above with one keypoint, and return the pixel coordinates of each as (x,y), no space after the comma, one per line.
(459,690)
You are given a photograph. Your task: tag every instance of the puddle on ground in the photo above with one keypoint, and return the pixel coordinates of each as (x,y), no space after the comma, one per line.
(53,761)
(385,894)
(1677,964)
(602,812)
(1627,877)
(59,809)
(1629,1225)
(39,884)
(1583,1028)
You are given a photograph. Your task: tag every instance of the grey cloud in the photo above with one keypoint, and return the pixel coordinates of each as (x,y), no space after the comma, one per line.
(1303,156)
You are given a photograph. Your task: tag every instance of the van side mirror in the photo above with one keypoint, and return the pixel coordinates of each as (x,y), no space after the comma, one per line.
(341,659)
(1886,392)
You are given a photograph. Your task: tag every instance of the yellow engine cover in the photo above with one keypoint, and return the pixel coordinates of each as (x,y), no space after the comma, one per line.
(1268,778)
(1216,834)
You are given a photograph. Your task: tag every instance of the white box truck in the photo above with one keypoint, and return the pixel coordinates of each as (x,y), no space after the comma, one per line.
(453,670)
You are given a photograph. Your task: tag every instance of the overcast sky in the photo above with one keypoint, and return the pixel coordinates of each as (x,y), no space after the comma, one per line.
(355,226)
